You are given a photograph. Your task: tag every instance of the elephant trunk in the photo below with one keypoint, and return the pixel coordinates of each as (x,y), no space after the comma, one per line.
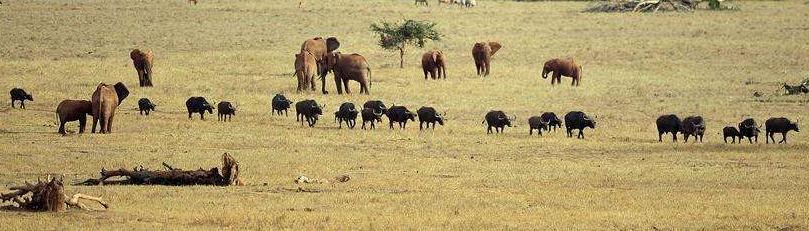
(545,73)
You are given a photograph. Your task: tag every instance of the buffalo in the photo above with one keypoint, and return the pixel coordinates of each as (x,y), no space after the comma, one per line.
(578,120)
(308,109)
(731,132)
(198,105)
(145,105)
(370,115)
(693,126)
(399,114)
(536,122)
(348,113)
(498,120)
(20,95)
(552,120)
(430,116)
(668,124)
(779,125)
(748,129)
(376,105)
(226,111)
(280,104)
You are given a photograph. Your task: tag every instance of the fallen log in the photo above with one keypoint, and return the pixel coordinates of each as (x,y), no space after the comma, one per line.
(47,195)
(645,6)
(174,176)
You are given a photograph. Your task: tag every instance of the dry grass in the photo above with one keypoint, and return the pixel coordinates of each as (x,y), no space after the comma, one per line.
(636,67)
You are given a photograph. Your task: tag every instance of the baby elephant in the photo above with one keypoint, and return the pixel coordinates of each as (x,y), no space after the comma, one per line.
(733,133)
(72,110)
(144,105)
(21,95)
(226,111)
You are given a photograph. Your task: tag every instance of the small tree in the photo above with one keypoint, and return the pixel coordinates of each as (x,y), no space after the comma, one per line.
(398,37)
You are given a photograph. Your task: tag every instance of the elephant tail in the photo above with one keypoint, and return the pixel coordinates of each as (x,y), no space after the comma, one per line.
(101,102)
(370,83)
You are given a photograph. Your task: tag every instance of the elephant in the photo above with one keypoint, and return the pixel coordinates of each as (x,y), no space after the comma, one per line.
(321,48)
(350,67)
(562,67)
(483,52)
(143,65)
(305,70)
(433,62)
(105,100)
(72,110)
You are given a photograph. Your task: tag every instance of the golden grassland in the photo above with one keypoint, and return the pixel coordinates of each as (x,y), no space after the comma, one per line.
(636,67)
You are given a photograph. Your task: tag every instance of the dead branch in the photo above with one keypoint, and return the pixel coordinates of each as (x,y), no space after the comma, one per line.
(46,195)
(174,176)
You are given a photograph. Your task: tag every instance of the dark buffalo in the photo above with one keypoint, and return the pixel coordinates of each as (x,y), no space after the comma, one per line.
(749,129)
(376,105)
(308,109)
(348,113)
(779,125)
(693,126)
(668,124)
(20,95)
(198,105)
(226,111)
(370,115)
(731,132)
(430,116)
(399,114)
(280,104)
(145,105)
(552,120)
(498,120)
(578,120)
(536,122)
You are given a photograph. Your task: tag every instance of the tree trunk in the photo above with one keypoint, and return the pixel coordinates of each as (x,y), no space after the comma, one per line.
(401,56)
(173,176)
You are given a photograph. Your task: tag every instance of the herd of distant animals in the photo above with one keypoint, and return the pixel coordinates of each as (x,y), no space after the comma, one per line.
(318,57)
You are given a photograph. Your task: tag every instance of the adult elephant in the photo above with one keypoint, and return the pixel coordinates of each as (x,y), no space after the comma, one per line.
(321,48)
(305,70)
(433,62)
(482,53)
(562,67)
(349,67)
(142,61)
(105,100)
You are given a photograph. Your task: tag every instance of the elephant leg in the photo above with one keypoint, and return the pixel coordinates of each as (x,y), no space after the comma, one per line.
(477,67)
(337,82)
(345,83)
(425,73)
(95,121)
(140,76)
(109,122)
(321,67)
(312,83)
(364,87)
(433,73)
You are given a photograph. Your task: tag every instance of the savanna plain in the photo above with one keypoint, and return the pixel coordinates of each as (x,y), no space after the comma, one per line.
(636,67)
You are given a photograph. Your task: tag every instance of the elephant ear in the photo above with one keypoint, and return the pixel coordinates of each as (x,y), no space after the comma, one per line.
(495,47)
(121,91)
(135,54)
(332,44)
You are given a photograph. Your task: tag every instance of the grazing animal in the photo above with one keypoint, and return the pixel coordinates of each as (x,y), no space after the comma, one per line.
(668,124)
(226,111)
(18,94)
(72,110)
(198,105)
(399,114)
(469,3)
(308,109)
(498,120)
(350,67)
(434,63)
(731,132)
(348,113)
(193,1)
(370,115)
(305,70)
(578,120)
(536,122)
(145,105)
(376,105)
(794,90)
(693,125)
(562,67)
(430,116)
(422,1)
(779,125)
(552,120)
(321,48)
(280,104)
(142,61)
(105,100)
(482,53)
(748,128)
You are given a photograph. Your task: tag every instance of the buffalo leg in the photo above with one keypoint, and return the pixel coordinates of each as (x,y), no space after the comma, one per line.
(489,130)
(432,126)
(62,127)
(674,136)
(581,134)
(686,138)
(783,138)
(202,115)
(373,125)
(12,103)
(425,73)
(22,104)
(756,138)
(421,126)
(189,115)
(768,136)
(530,131)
